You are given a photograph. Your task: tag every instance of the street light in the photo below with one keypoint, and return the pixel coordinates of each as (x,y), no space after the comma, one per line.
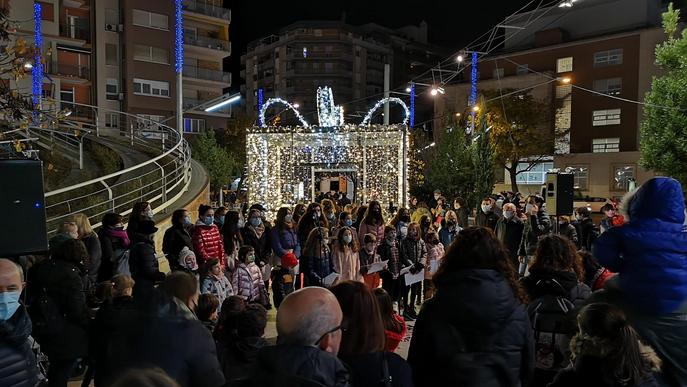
(219,104)
(296,105)
(457,114)
(459,58)
(433,92)
(408,89)
(564,80)
(475,108)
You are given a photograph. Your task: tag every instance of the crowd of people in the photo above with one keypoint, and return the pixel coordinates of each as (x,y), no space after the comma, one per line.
(508,297)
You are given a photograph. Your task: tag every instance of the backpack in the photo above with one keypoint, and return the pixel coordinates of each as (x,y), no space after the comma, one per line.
(552,327)
(121,261)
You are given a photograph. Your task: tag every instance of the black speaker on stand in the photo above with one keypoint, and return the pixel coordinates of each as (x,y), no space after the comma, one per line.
(559,193)
(22,204)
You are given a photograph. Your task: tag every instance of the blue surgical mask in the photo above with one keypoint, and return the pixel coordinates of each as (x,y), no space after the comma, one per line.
(220,219)
(240,223)
(255,222)
(348,222)
(187,220)
(250,258)
(288,218)
(9,303)
(208,220)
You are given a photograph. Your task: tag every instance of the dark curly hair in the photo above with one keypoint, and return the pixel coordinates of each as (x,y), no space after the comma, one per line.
(558,253)
(479,248)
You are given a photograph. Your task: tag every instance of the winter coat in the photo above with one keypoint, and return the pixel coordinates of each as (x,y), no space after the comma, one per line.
(393,339)
(219,286)
(588,234)
(144,267)
(108,329)
(261,245)
(95,254)
(434,254)
(476,310)
(487,220)
(650,251)
(283,240)
(110,245)
(318,267)
(62,282)
(247,282)
(347,264)
(175,239)
(463,217)
(536,226)
(392,256)
(17,360)
(296,366)
(447,236)
(208,243)
(509,232)
(569,231)
(377,231)
(572,289)
(413,252)
(419,213)
(367,369)
(589,369)
(238,356)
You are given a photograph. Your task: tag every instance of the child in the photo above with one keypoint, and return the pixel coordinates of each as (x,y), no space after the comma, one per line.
(368,256)
(389,252)
(394,326)
(414,254)
(215,282)
(318,257)
(247,278)
(345,256)
(283,278)
(208,310)
(435,251)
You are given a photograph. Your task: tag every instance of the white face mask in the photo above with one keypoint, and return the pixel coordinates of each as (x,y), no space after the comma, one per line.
(485,208)
(347,239)
(529,208)
(508,214)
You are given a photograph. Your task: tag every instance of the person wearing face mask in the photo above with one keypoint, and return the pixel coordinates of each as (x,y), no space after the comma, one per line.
(359,215)
(568,230)
(207,241)
(312,219)
(219,217)
(345,256)
(143,262)
(215,282)
(373,222)
(298,212)
(113,241)
(61,328)
(247,278)
(177,237)
(486,214)
(17,361)
(413,253)
(257,235)
(435,252)
(509,230)
(232,238)
(316,260)
(449,229)
(368,255)
(389,252)
(461,208)
(345,220)
(588,232)
(284,242)
(329,210)
(537,224)
(141,211)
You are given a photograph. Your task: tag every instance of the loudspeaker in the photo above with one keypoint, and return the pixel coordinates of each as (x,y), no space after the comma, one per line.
(22,205)
(558,193)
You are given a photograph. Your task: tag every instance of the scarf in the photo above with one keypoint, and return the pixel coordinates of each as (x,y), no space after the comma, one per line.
(121,234)
(257,230)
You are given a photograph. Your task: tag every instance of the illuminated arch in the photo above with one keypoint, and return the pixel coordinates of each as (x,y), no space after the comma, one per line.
(273,101)
(368,117)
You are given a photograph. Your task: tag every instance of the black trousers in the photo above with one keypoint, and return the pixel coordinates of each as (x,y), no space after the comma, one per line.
(391,285)
(60,371)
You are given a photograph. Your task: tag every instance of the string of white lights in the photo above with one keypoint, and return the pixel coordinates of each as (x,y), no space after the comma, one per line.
(273,101)
(368,117)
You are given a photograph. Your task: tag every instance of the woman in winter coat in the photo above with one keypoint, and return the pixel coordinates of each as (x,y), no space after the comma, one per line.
(63,336)
(649,253)
(537,224)
(312,219)
(395,327)
(373,222)
(478,308)
(143,264)
(413,252)
(345,256)
(608,352)
(246,280)
(317,258)
(114,241)
(207,241)
(140,212)
(92,243)
(231,235)
(177,237)
(461,208)
(568,230)
(256,234)
(284,237)
(435,252)
(363,342)
(215,281)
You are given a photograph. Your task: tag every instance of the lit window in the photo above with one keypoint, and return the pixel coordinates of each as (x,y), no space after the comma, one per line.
(564,65)
(605,145)
(622,175)
(535,175)
(580,176)
(606,117)
(608,58)
(194,125)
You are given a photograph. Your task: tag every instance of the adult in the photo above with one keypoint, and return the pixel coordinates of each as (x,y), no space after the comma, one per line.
(363,342)
(207,241)
(450,228)
(141,211)
(359,215)
(17,360)
(649,253)
(113,242)
(309,325)
(316,261)
(463,212)
(475,330)
(298,212)
(312,219)
(58,309)
(588,232)
(435,198)
(486,214)
(231,236)
(419,212)
(284,237)
(568,230)
(92,243)
(220,213)
(143,263)
(537,224)
(373,222)
(509,230)
(239,348)
(177,237)
(344,201)
(402,216)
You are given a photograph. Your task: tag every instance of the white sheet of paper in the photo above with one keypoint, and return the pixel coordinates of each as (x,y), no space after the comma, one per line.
(329,280)
(405,270)
(375,267)
(433,266)
(414,278)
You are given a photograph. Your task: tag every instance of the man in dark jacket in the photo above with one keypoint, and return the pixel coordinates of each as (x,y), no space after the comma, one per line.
(587,231)
(486,214)
(509,231)
(17,361)
(537,224)
(309,324)
(143,263)
(176,238)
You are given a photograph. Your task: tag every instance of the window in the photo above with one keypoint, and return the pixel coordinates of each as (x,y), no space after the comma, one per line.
(194,125)
(111,54)
(605,145)
(152,88)
(150,19)
(111,120)
(151,54)
(622,175)
(497,73)
(535,175)
(147,121)
(563,65)
(608,58)
(112,89)
(580,176)
(606,117)
(67,96)
(522,69)
(47,11)
(610,86)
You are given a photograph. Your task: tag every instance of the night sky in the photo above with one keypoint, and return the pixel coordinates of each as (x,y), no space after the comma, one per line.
(452,23)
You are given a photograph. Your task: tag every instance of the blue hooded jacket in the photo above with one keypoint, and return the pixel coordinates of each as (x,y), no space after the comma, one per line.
(650,251)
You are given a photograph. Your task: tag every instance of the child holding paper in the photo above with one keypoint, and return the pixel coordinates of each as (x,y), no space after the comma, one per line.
(413,256)
(389,252)
(435,251)
(345,256)
(368,257)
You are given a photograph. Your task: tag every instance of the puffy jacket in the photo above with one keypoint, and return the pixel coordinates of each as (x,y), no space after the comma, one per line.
(476,310)
(17,361)
(175,239)
(509,232)
(377,231)
(109,244)
(208,243)
(283,240)
(347,264)
(95,253)
(318,267)
(650,251)
(247,282)
(536,226)
(413,252)
(143,264)
(220,287)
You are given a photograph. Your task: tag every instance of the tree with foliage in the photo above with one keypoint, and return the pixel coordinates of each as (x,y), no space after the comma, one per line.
(220,164)
(482,150)
(518,139)
(663,132)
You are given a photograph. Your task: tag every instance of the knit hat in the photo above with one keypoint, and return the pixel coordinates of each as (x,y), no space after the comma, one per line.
(289,260)
(187,259)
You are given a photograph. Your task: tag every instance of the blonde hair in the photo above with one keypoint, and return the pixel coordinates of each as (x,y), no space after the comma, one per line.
(83,224)
(68,225)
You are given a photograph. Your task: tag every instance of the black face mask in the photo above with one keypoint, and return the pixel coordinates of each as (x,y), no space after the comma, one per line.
(405,218)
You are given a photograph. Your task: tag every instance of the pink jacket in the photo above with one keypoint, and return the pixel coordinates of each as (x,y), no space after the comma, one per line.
(377,231)
(434,253)
(347,264)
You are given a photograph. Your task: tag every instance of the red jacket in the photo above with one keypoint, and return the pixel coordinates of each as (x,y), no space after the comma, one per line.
(207,243)
(393,339)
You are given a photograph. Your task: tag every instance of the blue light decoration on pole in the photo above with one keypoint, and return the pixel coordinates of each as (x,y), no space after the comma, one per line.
(37,70)
(260,102)
(473,89)
(179,61)
(412,105)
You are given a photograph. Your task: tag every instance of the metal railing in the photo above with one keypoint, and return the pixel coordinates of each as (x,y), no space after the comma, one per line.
(79,30)
(209,74)
(208,9)
(162,176)
(56,68)
(207,42)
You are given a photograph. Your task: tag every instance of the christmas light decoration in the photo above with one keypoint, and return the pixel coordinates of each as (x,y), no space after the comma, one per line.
(37,69)
(178,37)
(368,117)
(261,121)
(272,101)
(473,89)
(412,105)
(328,114)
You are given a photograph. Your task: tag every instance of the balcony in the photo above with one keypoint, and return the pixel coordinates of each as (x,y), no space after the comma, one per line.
(79,30)
(192,103)
(207,42)
(208,9)
(67,70)
(207,74)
